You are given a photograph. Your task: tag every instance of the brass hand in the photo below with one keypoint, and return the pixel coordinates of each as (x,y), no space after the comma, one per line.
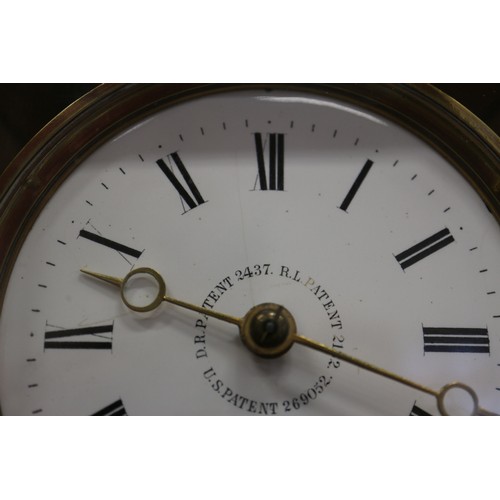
(269,330)
(261,322)
(161,295)
(439,395)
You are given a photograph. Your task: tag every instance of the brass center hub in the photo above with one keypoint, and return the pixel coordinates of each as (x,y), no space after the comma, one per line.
(268,330)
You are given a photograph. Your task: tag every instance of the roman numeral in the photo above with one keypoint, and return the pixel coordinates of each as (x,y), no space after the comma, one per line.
(473,340)
(357,183)
(274,179)
(425,248)
(96,238)
(418,412)
(91,337)
(113,410)
(192,200)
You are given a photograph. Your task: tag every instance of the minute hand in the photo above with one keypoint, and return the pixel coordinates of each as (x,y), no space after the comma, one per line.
(439,395)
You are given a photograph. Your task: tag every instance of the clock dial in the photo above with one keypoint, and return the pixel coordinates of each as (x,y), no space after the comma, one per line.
(373,241)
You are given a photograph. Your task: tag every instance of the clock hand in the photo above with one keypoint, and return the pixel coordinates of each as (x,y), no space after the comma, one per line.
(269,330)
(439,395)
(160,296)
(104,277)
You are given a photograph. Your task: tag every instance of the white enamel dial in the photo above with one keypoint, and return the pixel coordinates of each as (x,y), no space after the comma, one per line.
(374,243)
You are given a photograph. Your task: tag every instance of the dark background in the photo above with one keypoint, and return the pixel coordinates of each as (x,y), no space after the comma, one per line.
(26,108)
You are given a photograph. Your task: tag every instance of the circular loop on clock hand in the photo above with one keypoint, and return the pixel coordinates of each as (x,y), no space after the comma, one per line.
(456,385)
(158,297)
